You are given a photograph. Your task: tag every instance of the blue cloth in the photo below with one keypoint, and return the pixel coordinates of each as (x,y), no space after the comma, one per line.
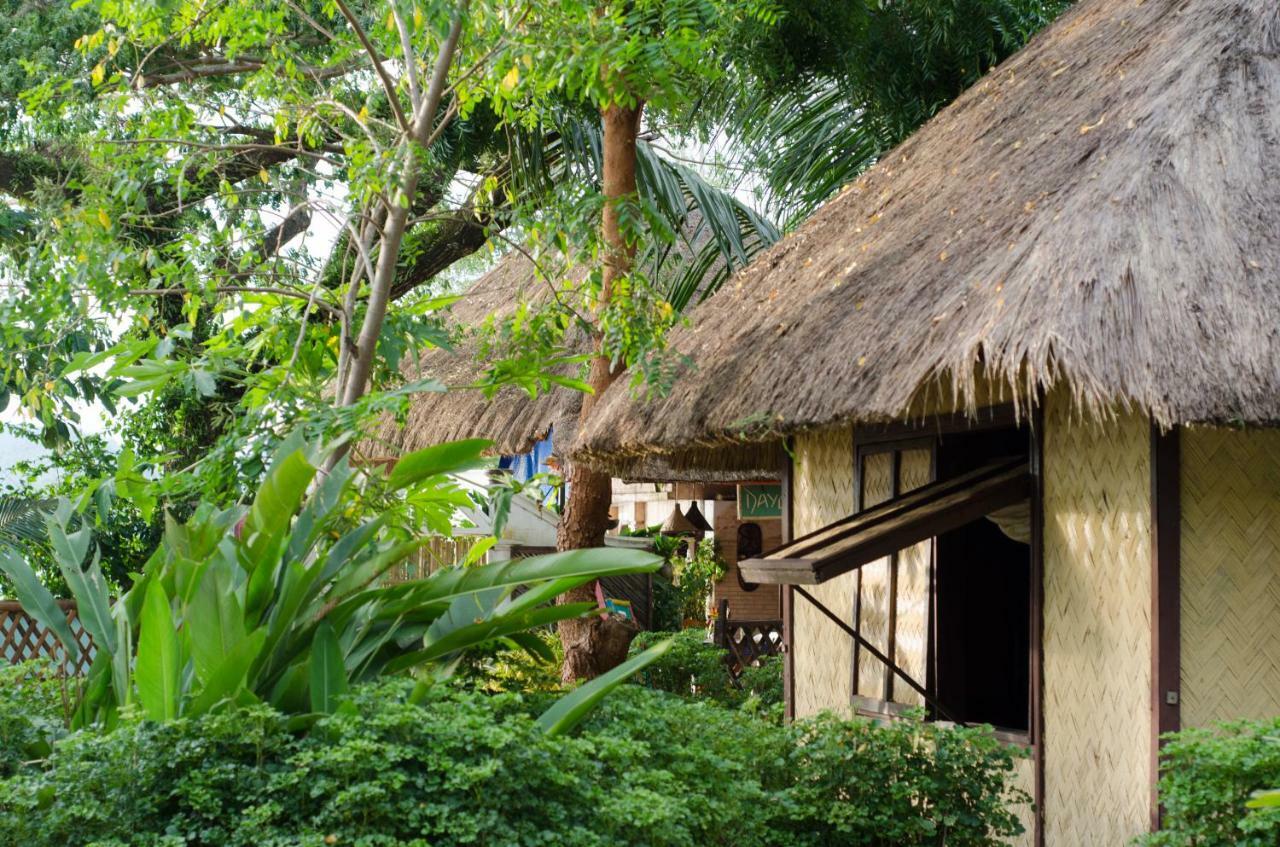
(527,465)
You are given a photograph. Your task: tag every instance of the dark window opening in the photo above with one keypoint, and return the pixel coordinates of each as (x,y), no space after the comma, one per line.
(981,666)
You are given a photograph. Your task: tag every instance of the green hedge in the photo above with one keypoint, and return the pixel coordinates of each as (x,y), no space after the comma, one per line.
(1207,776)
(32,712)
(692,668)
(468,768)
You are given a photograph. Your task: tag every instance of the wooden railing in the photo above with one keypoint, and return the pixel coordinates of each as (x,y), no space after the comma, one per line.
(24,640)
(746,641)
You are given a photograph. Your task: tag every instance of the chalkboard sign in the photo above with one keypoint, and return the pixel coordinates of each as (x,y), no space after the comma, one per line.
(759,500)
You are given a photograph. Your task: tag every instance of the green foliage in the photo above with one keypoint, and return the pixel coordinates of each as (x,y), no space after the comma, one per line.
(901,782)
(33,699)
(465,768)
(696,577)
(110,488)
(695,669)
(280,602)
(821,94)
(1207,776)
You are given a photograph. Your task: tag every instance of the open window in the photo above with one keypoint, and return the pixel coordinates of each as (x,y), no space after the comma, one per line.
(941,544)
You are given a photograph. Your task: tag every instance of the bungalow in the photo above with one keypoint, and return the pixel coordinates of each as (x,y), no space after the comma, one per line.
(1024,378)
(528,431)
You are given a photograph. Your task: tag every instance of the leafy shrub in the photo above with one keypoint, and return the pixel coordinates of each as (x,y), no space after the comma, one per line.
(281,601)
(1206,778)
(902,782)
(692,668)
(31,713)
(464,767)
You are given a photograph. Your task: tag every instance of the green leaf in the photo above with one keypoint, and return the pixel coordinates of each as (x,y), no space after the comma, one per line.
(159,663)
(569,710)
(1265,800)
(214,620)
(93,602)
(229,676)
(37,601)
(328,673)
(450,457)
(598,562)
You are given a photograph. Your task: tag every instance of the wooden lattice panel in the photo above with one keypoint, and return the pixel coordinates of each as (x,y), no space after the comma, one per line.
(1230,575)
(911,639)
(1097,627)
(873,613)
(24,640)
(822,485)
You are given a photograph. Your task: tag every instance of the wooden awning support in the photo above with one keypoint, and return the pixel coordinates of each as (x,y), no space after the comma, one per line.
(882,658)
(893,525)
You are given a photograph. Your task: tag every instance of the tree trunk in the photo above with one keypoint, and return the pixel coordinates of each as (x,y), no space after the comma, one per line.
(592,645)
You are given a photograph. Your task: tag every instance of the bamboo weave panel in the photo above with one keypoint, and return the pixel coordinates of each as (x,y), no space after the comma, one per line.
(1097,628)
(823,493)
(911,638)
(873,621)
(1230,578)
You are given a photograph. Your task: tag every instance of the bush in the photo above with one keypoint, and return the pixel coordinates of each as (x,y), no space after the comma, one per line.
(1207,776)
(469,768)
(31,713)
(692,668)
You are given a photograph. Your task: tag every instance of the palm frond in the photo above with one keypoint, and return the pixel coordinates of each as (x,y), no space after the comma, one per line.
(22,519)
(714,232)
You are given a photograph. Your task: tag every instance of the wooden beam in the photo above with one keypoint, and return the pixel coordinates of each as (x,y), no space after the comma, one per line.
(990,417)
(928,511)
(892,509)
(880,657)
(1166,597)
(788,598)
(1037,622)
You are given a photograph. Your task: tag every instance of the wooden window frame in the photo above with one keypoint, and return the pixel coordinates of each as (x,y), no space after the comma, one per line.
(898,437)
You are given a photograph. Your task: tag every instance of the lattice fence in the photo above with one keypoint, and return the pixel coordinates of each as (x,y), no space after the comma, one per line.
(24,640)
(747,642)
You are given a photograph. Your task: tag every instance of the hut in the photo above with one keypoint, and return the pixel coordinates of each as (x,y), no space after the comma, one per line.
(1028,367)
(528,431)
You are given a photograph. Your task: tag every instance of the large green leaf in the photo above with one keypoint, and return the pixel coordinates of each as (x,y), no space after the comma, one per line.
(228,678)
(159,657)
(569,710)
(214,620)
(598,562)
(21,519)
(37,601)
(484,631)
(450,457)
(328,671)
(93,603)
(274,506)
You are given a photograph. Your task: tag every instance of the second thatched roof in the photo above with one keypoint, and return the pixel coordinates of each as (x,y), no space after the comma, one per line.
(1103,209)
(513,419)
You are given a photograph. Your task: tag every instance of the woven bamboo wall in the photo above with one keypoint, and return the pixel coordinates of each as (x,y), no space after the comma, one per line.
(911,647)
(1097,630)
(873,613)
(1230,575)
(1024,779)
(823,492)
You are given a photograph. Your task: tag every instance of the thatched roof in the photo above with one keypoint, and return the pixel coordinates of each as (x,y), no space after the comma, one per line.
(512,419)
(1102,208)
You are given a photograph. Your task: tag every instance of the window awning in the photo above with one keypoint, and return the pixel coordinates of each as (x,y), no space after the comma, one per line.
(892,525)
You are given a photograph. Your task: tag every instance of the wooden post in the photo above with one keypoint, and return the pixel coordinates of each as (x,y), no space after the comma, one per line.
(1166,597)
(788,595)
